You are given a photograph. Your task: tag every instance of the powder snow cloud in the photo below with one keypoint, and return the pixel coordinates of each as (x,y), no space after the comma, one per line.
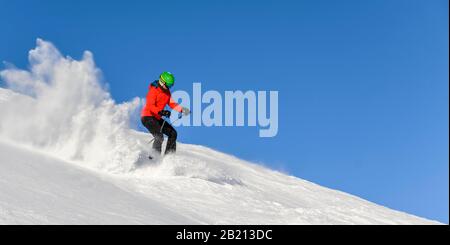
(65,109)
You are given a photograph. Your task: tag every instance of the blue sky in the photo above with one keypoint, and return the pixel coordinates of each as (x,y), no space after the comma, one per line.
(363,85)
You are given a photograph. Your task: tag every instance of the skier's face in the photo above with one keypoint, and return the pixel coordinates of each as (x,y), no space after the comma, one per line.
(162,83)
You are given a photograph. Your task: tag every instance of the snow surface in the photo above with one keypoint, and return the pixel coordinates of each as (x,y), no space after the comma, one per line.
(196,186)
(69,155)
(38,189)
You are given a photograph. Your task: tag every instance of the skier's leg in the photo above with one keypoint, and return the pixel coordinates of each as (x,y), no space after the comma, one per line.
(153,125)
(172,138)
(157,143)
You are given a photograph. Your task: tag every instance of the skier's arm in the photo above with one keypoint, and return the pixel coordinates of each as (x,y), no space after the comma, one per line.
(174,105)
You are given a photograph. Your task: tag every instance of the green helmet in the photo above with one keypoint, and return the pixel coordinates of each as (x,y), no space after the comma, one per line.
(167,78)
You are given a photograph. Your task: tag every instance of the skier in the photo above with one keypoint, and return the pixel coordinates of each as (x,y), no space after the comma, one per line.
(158,97)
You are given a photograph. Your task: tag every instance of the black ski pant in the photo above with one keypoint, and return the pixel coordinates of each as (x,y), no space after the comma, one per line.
(157,127)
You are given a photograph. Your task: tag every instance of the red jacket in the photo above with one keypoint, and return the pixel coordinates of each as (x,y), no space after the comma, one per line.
(156,100)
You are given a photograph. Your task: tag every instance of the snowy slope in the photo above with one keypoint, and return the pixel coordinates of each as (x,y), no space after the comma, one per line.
(69,155)
(198,186)
(37,189)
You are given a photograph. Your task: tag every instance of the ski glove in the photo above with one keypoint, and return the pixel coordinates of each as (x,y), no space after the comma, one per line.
(164,113)
(185,111)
